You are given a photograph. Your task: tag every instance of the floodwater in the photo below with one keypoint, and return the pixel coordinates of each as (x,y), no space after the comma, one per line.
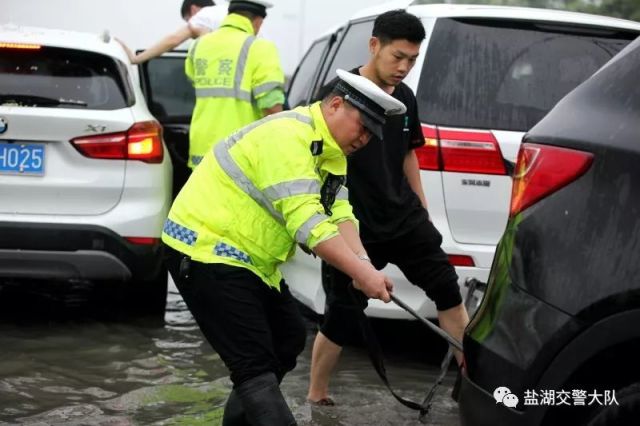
(71,364)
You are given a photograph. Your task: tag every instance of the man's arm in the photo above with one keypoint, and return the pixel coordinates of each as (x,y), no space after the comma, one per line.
(272,110)
(166,44)
(351,236)
(412,172)
(367,279)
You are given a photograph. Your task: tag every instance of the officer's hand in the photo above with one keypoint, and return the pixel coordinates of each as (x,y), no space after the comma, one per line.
(375,285)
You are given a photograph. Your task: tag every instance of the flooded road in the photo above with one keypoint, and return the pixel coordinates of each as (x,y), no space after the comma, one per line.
(81,369)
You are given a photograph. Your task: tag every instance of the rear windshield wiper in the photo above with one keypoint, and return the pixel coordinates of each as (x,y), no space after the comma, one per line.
(33,100)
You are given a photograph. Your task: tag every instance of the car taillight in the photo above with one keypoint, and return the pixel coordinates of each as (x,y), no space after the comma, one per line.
(23,46)
(142,241)
(143,141)
(429,154)
(542,170)
(461,260)
(460,150)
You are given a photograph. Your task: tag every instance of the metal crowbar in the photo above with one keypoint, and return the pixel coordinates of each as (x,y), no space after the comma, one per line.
(440,332)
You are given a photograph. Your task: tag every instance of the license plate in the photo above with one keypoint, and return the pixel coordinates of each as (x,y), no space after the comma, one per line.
(22,158)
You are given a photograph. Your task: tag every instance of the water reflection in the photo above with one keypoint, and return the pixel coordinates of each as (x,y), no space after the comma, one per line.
(83,371)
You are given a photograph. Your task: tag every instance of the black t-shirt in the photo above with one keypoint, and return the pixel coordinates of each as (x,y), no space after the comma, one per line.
(379,191)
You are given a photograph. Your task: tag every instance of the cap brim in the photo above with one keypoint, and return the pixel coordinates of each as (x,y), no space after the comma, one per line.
(375,127)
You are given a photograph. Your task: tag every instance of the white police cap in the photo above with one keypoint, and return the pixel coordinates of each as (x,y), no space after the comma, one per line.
(374,102)
(257,7)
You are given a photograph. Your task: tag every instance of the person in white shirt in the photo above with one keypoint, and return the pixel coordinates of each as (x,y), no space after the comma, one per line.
(202,16)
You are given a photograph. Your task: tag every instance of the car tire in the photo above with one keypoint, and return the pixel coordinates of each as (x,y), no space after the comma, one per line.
(627,413)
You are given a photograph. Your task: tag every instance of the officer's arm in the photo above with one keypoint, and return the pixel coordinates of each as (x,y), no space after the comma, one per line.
(272,110)
(370,281)
(349,232)
(271,102)
(164,45)
(267,80)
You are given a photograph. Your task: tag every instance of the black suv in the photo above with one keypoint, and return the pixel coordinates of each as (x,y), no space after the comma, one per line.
(558,326)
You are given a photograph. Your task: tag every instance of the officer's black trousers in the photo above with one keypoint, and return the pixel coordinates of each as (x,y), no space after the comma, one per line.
(254,328)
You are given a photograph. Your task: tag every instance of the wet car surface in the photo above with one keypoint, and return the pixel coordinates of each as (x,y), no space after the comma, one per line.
(66,361)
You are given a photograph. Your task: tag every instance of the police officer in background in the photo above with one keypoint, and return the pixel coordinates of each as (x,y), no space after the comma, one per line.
(269,186)
(237,77)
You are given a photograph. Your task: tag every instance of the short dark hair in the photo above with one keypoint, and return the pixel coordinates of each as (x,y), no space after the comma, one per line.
(186,5)
(398,25)
(327,93)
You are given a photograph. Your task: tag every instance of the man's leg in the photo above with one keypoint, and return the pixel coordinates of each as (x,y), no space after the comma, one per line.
(288,328)
(340,323)
(263,402)
(324,359)
(421,259)
(230,306)
(454,321)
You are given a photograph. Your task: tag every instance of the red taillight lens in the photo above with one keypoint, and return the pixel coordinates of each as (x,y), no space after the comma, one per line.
(110,146)
(142,241)
(459,150)
(471,152)
(143,141)
(542,170)
(428,154)
(461,260)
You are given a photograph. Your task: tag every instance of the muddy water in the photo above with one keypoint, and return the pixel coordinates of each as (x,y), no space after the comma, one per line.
(81,370)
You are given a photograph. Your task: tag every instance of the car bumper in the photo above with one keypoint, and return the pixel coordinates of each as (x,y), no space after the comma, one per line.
(65,251)
(303,275)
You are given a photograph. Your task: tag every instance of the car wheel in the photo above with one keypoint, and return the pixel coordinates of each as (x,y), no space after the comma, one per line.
(626,413)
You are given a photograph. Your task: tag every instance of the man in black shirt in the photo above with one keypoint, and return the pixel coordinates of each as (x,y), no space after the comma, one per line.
(385,190)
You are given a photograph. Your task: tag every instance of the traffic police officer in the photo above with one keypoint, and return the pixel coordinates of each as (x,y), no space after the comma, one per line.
(269,186)
(237,77)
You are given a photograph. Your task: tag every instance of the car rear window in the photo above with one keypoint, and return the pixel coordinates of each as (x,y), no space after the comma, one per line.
(63,78)
(506,75)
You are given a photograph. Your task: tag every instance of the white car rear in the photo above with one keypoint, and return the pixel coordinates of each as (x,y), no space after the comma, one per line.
(85,182)
(486,74)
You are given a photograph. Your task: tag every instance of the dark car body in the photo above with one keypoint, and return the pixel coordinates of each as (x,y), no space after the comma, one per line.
(562,308)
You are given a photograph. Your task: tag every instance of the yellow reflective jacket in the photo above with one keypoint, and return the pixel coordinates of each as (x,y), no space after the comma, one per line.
(235,76)
(258,193)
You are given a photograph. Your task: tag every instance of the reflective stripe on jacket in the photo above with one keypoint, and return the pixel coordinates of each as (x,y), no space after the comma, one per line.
(256,194)
(231,70)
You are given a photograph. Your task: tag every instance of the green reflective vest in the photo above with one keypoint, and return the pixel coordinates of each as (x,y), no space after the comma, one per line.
(258,193)
(234,74)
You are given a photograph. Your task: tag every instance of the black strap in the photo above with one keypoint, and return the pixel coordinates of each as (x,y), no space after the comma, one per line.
(375,355)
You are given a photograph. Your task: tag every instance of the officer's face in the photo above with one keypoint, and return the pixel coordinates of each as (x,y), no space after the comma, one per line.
(346,126)
(393,61)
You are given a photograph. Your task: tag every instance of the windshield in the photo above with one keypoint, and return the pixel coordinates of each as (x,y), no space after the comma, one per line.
(62,78)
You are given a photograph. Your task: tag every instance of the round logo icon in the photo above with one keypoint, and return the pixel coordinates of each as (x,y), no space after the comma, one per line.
(3,125)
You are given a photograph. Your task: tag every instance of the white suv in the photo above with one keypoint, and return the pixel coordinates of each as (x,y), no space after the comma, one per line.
(85,181)
(486,74)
